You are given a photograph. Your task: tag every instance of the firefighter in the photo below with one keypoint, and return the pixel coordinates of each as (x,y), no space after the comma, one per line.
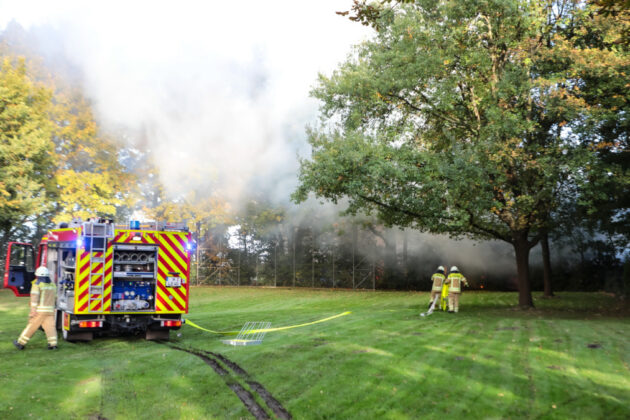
(43,297)
(438,281)
(454,282)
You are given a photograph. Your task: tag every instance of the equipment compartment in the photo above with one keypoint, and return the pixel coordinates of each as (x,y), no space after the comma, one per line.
(135,273)
(66,280)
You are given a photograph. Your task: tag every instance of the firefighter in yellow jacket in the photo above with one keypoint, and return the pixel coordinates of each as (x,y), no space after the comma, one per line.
(43,298)
(454,281)
(438,281)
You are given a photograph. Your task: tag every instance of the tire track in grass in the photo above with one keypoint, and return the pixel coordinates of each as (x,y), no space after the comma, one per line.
(230,372)
(246,398)
(273,404)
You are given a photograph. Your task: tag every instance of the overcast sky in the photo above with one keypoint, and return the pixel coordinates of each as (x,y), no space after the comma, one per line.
(218,89)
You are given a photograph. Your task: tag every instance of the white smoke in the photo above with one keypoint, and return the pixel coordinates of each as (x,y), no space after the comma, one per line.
(218,91)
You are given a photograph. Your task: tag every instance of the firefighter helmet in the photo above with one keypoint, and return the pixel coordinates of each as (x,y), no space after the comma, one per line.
(440,268)
(42,272)
(454,269)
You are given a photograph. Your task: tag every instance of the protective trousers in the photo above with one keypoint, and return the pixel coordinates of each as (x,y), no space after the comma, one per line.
(435,294)
(44,320)
(453,301)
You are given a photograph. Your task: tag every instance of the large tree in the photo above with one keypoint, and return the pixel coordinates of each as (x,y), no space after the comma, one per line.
(460,118)
(91,180)
(93,167)
(25,149)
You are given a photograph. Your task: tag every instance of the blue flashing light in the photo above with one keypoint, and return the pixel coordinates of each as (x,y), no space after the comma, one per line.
(79,242)
(189,246)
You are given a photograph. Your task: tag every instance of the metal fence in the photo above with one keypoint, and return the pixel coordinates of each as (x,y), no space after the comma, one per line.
(218,268)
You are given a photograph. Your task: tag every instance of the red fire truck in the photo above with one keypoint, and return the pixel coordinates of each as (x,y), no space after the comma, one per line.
(110,278)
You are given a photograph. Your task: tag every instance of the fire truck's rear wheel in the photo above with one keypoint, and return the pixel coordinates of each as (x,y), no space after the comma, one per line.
(77,336)
(58,319)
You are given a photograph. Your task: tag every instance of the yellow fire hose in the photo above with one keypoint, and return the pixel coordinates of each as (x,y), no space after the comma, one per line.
(444,297)
(288,327)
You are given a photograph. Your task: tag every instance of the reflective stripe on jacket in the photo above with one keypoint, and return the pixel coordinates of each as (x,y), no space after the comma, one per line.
(438,280)
(455,280)
(43,296)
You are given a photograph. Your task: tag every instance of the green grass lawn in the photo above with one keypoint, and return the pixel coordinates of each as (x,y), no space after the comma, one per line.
(383,361)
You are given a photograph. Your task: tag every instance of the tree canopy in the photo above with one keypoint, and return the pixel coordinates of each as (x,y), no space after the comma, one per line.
(25,148)
(468,118)
(90,177)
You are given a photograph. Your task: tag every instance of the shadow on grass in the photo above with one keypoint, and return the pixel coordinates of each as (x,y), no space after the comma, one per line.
(466,373)
(565,305)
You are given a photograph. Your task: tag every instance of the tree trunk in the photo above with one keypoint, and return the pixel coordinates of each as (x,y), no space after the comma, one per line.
(521,249)
(544,244)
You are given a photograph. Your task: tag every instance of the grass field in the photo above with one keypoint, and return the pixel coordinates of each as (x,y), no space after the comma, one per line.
(568,358)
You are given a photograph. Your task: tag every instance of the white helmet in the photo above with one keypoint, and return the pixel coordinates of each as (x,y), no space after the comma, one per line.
(42,272)
(440,268)
(454,268)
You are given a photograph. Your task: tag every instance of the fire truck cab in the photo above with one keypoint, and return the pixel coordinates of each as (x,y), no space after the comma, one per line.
(110,278)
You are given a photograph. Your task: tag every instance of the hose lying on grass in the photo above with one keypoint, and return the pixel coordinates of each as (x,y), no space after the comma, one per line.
(288,327)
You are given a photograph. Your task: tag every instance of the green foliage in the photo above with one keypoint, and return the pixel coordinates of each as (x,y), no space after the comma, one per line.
(91,181)
(466,118)
(26,148)
(90,178)
(259,218)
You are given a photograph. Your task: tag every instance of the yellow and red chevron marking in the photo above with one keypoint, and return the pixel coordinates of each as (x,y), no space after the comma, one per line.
(82,281)
(95,305)
(135,237)
(173,260)
(107,287)
(87,276)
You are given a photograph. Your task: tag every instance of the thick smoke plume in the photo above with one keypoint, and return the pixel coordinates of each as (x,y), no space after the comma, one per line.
(217,93)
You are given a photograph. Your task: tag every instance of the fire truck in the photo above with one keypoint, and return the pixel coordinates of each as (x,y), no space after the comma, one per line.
(111,279)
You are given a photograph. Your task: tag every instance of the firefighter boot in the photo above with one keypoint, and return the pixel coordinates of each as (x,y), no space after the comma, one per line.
(18,345)
(52,347)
